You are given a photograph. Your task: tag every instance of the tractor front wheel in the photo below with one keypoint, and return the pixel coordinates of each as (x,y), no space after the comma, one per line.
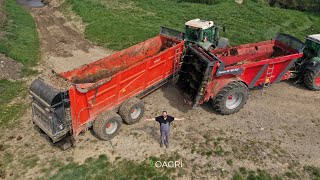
(231,98)
(312,79)
(132,110)
(107,125)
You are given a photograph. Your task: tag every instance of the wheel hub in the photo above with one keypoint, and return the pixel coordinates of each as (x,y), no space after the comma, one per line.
(135,112)
(234,100)
(111,127)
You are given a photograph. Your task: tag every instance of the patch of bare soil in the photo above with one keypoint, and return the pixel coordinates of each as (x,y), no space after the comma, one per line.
(53,3)
(63,47)
(9,68)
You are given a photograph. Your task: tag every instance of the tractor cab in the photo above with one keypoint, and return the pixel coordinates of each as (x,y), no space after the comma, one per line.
(202,32)
(312,48)
(308,67)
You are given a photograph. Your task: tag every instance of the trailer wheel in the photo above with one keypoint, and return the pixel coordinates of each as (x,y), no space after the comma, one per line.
(132,110)
(312,79)
(107,125)
(231,98)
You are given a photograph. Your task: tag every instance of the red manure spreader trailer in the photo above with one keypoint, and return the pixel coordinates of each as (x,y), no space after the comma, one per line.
(225,75)
(106,92)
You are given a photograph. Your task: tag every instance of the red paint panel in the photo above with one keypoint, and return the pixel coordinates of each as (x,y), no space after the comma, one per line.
(251,58)
(79,110)
(255,52)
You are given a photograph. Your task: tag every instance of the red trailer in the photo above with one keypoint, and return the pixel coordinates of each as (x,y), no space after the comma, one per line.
(107,91)
(225,75)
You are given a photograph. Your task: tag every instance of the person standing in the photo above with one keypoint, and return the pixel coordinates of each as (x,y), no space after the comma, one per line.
(165,120)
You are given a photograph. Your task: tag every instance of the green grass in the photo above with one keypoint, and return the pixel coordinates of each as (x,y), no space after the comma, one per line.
(244,174)
(21,41)
(120,24)
(6,159)
(30,162)
(101,168)
(10,90)
(313,171)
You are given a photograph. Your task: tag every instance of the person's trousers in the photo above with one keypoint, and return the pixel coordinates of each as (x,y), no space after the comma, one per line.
(164,135)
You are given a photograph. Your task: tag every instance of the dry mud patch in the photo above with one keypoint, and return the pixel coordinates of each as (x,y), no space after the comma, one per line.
(9,68)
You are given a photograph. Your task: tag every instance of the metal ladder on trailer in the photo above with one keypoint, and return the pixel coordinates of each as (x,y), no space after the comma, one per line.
(267,81)
(176,64)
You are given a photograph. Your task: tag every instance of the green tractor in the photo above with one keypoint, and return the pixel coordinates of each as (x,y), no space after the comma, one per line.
(307,68)
(201,32)
(205,34)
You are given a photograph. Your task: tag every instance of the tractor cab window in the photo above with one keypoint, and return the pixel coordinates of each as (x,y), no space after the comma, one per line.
(193,34)
(313,47)
(208,34)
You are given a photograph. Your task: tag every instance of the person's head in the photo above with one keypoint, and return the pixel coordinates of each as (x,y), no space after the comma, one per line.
(164,113)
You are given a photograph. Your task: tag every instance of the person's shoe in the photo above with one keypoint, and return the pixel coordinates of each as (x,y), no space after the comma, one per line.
(167,145)
(161,145)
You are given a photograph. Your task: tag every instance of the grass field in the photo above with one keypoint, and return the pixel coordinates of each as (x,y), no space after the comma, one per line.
(20,41)
(9,91)
(120,24)
(102,168)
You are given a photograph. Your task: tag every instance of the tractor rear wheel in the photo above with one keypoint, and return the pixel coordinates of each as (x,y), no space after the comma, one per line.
(231,98)
(107,125)
(312,79)
(132,110)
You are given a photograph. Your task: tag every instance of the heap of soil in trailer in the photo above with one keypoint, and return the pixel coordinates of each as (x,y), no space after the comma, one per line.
(55,80)
(253,52)
(108,66)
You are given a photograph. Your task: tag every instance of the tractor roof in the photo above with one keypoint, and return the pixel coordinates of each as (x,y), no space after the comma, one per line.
(315,37)
(197,23)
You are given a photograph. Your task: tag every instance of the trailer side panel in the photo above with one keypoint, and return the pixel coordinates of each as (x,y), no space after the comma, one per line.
(112,91)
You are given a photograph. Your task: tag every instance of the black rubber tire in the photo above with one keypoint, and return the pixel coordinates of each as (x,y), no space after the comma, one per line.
(100,124)
(223,43)
(127,107)
(309,79)
(219,103)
